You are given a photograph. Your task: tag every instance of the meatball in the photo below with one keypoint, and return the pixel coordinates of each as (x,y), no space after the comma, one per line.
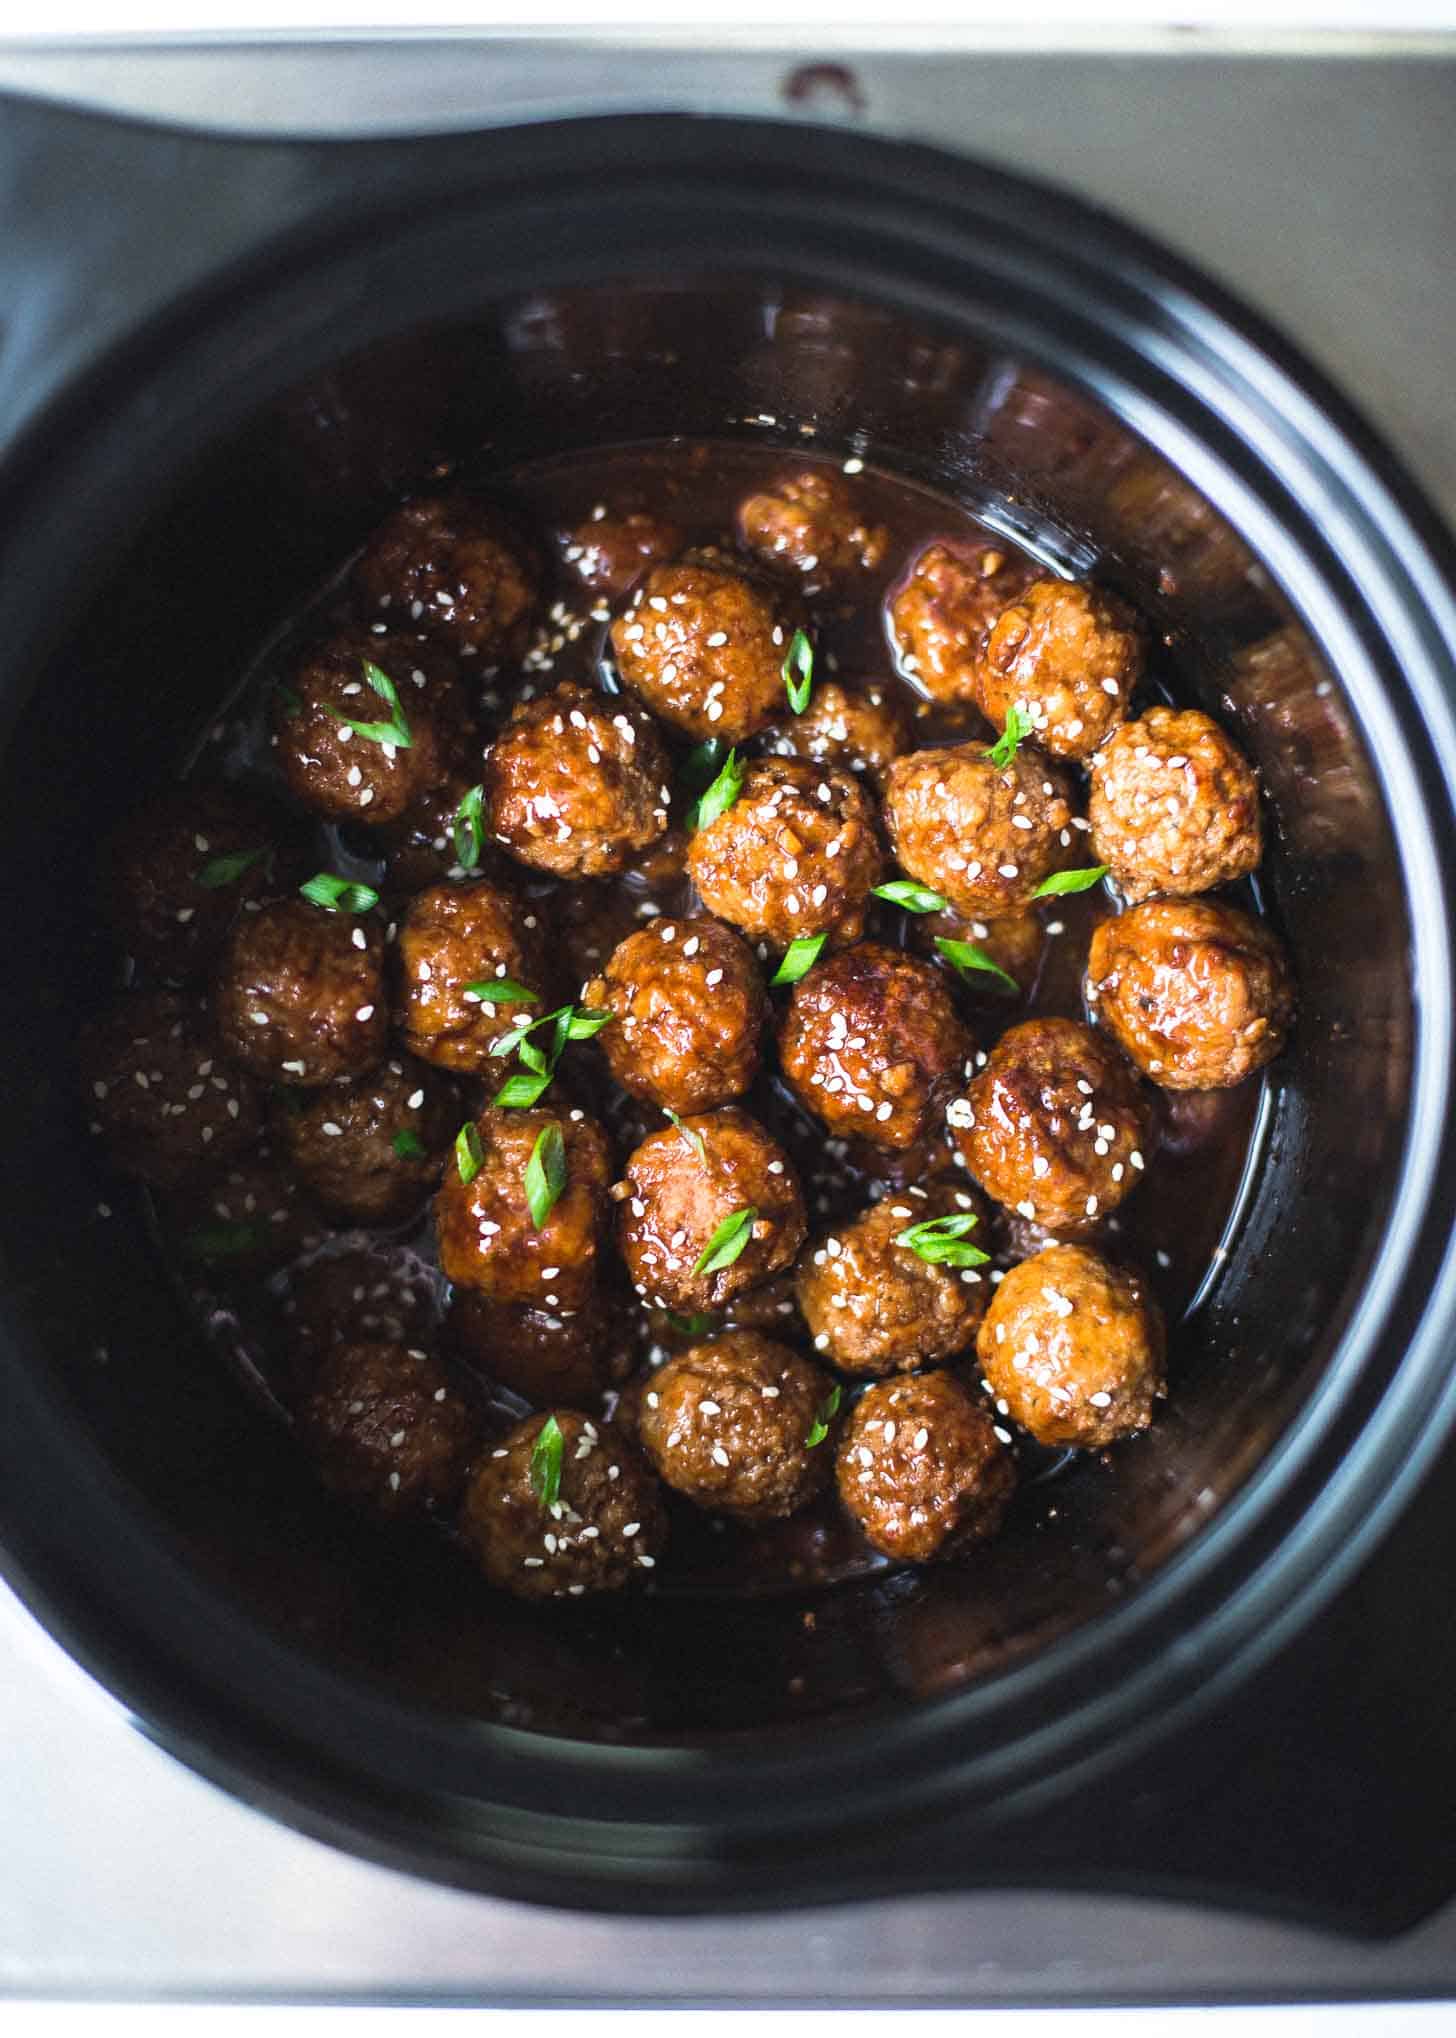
(488,1237)
(421,847)
(983,837)
(861,728)
(388,1430)
(1055,1124)
(690,1006)
(370,1150)
(921,1470)
(1015,942)
(1174,806)
(875,1306)
(870,1043)
(176,874)
(364,1295)
(452,568)
(732,1423)
(576,783)
(1068,656)
(940,616)
(552,1358)
(703,644)
(1073,1348)
(607,554)
(683,1187)
(300,994)
(249,1218)
(605,1524)
(166,1101)
(796,854)
(1197,993)
(808,524)
(452,938)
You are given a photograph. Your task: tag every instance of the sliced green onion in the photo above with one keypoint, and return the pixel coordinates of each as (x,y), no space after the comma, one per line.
(694,1139)
(339,894)
(226,870)
(720,794)
(223,1241)
(697,1325)
(798,671)
(1063,881)
(396,731)
(1003,750)
(823,1416)
(727,1242)
(914,898)
(941,1241)
(545,1173)
(969,956)
(408,1145)
(546,1455)
(469,1153)
(800,959)
(520,1091)
(469,828)
(499,991)
(701,766)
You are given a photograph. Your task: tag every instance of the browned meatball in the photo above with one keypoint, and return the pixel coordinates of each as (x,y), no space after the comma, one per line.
(163,1096)
(940,616)
(1174,806)
(606,1525)
(683,1186)
(690,1005)
(1055,1125)
(984,838)
(870,1043)
(422,848)
(576,783)
(370,1150)
(452,938)
(808,524)
(796,854)
(729,1424)
(703,644)
(250,1217)
(300,994)
(921,1469)
(373,1295)
(1197,993)
(1069,657)
(388,1430)
(608,554)
(861,728)
(874,1306)
(554,1358)
(488,1238)
(1072,1348)
(176,874)
(1015,942)
(452,568)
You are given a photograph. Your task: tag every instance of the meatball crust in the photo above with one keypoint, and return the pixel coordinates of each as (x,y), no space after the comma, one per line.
(940,617)
(363,1295)
(454,936)
(606,1525)
(703,644)
(299,997)
(861,728)
(728,1424)
(551,1358)
(682,1185)
(690,1006)
(876,1307)
(808,524)
(338,772)
(1174,806)
(796,854)
(983,838)
(388,1429)
(452,568)
(577,783)
(370,1150)
(163,1097)
(1069,657)
(487,1237)
(871,1044)
(921,1470)
(608,554)
(1197,993)
(1073,1348)
(1055,1124)
(177,873)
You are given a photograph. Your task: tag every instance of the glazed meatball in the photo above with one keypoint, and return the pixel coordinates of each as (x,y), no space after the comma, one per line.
(1174,806)
(452,938)
(250,1217)
(921,1470)
(729,1423)
(576,783)
(608,554)
(175,876)
(1068,656)
(452,568)
(703,644)
(981,836)
(682,1186)
(364,1295)
(300,994)
(1015,942)
(875,1306)
(861,728)
(552,1358)
(809,525)
(388,1430)
(1073,1348)
(1055,1125)
(162,1095)
(690,1006)
(940,617)
(422,848)
(488,1238)
(870,1043)
(1197,993)
(370,1150)
(796,854)
(605,1526)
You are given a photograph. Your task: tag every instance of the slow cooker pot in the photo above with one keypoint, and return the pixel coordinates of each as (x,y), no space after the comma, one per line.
(482,299)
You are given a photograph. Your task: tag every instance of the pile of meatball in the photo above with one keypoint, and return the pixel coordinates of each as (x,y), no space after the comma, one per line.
(301,1056)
